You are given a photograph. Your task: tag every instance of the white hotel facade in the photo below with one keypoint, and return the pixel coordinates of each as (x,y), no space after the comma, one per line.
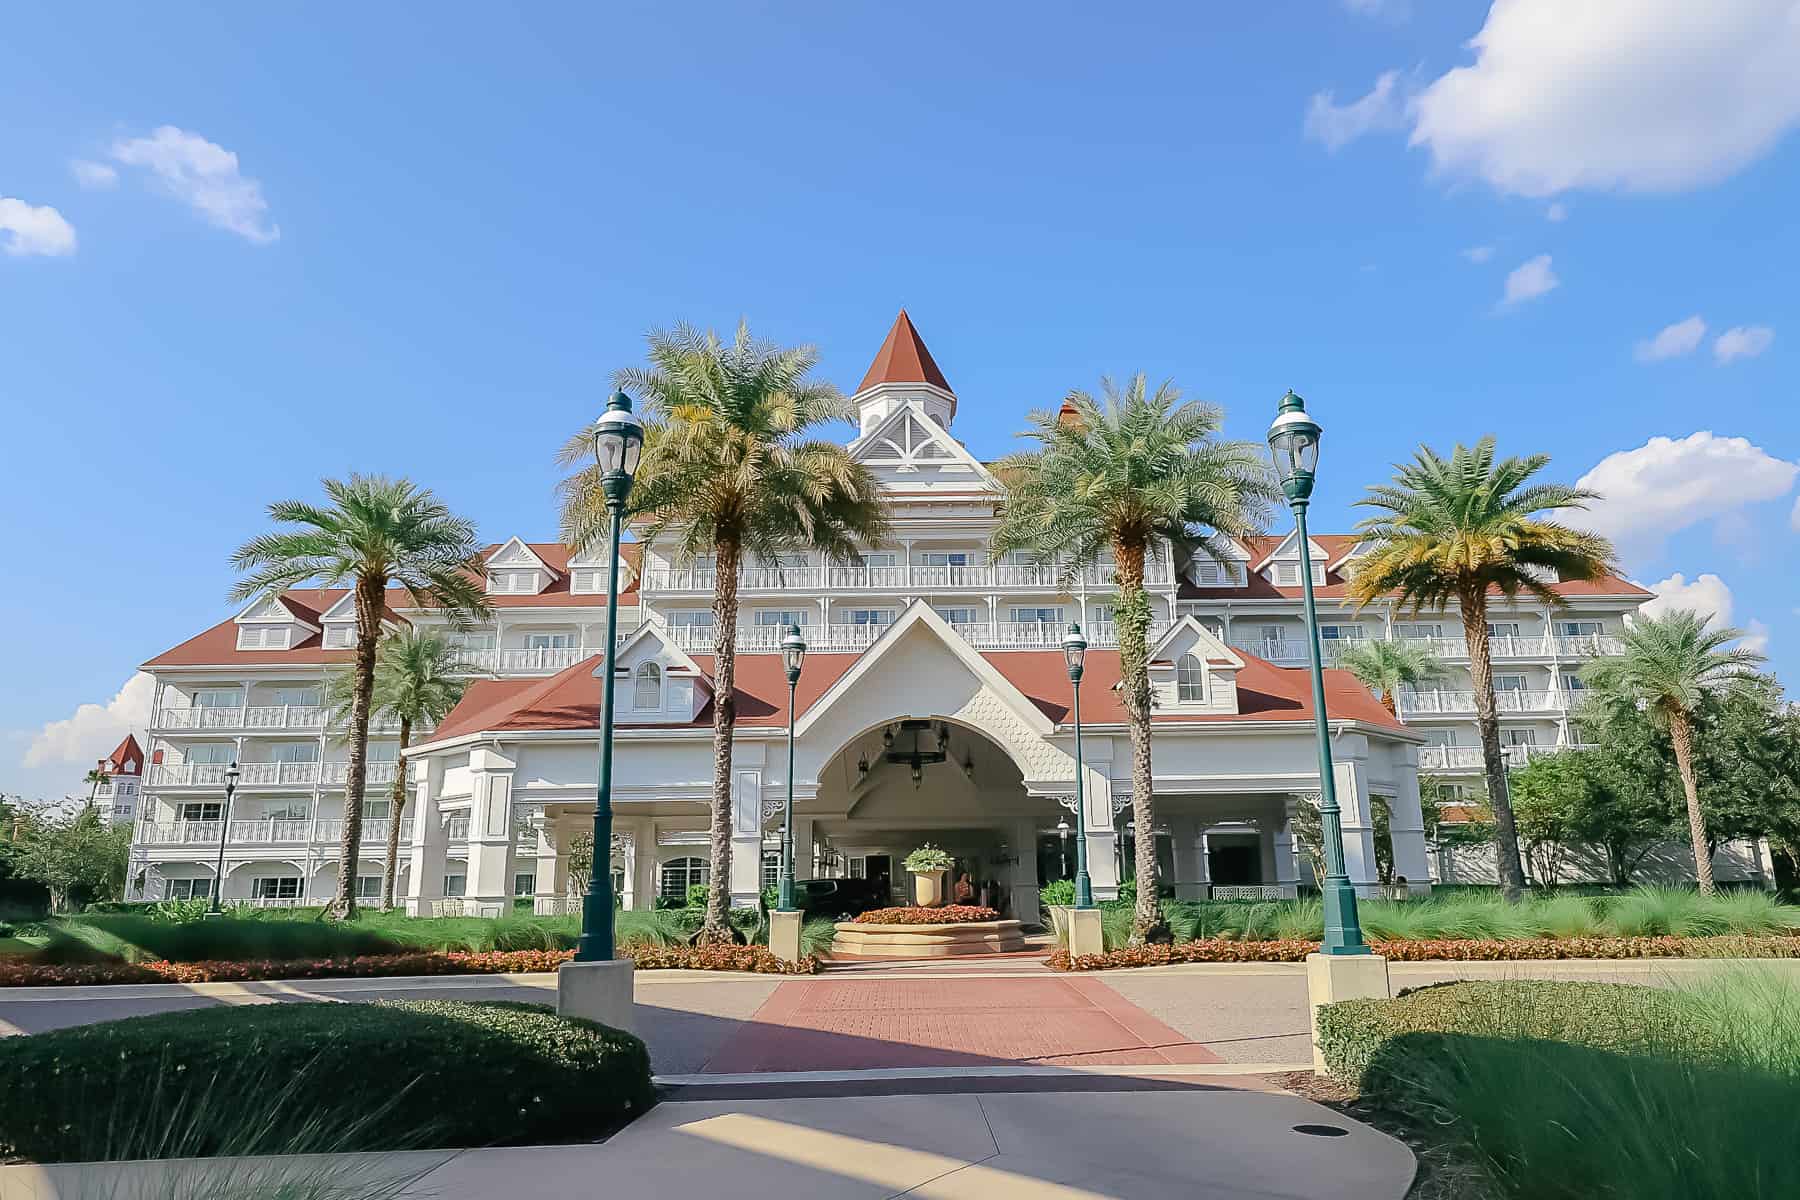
(934,707)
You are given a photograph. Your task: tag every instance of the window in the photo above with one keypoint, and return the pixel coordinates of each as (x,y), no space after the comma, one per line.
(1577,628)
(297,812)
(339,637)
(373,810)
(524,884)
(877,558)
(864,616)
(646,692)
(945,558)
(368,887)
(771,868)
(384,752)
(789,561)
(1025,558)
(1518,737)
(216,698)
(1341,633)
(783,616)
(296,752)
(1503,629)
(478,640)
(302,697)
(550,641)
(199,812)
(1573,683)
(262,637)
(187,889)
(1210,572)
(211,752)
(1272,633)
(1414,630)
(677,875)
(1441,737)
(455,886)
(1509,683)
(691,618)
(275,887)
(958,616)
(1044,616)
(1190,679)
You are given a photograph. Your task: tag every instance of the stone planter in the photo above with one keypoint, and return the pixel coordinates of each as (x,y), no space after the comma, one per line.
(928,888)
(927,941)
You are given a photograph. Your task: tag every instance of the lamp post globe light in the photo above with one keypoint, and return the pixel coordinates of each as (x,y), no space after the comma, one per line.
(618,445)
(1074,648)
(793,658)
(1294,442)
(218,888)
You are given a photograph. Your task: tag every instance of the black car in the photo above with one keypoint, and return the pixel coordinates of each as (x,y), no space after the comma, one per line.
(839,897)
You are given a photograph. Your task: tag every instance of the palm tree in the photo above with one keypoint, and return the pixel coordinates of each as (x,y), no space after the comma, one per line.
(417,682)
(1456,530)
(1125,474)
(95,779)
(374,534)
(728,470)
(1670,662)
(1386,666)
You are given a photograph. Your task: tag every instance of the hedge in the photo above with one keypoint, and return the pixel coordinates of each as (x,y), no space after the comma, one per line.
(134,938)
(30,972)
(294,1078)
(1627,1018)
(1225,950)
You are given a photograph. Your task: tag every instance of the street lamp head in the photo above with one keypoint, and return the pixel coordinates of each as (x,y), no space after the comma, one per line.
(793,653)
(618,445)
(1294,442)
(1074,648)
(231,775)
(1062,828)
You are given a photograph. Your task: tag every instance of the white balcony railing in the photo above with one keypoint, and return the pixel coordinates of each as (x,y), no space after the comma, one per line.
(982,635)
(271,831)
(1469,758)
(257,718)
(920,576)
(255,775)
(456,829)
(1463,703)
(1292,651)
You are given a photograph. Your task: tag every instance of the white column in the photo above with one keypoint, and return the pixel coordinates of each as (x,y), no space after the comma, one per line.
(1352,775)
(746,839)
(1190,862)
(547,883)
(803,847)
(1287,866)
(491,834)
(1022,892)
(1406,824)
(425,873)
(1097,823)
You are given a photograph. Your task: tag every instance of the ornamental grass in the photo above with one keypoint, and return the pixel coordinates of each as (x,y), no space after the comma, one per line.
(1225,950)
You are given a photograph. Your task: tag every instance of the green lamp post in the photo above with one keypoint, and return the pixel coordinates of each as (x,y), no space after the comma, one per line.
(1074,647)
(618,444)
(1294,441)
(218,890)
(793,658)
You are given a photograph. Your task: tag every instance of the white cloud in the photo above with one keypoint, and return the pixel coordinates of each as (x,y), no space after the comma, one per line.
(1337,125)
(95,728)
(28,229)
(95,177)
(1742,341)
(1557,212)
(1667,485)
(1673,341)
(1529,280)
(1615,94)
(1707,594)
(1478,254)
(203,175)
(1756,636)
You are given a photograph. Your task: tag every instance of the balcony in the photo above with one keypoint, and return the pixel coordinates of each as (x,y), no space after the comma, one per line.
(256,718)
(938,577)
(1292,652)
(538,660)
(1463,703)
(982,635)
(267,831)
(1468,758)
(267,775)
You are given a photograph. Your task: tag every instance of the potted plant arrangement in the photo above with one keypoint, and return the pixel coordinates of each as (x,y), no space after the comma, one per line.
(928,865)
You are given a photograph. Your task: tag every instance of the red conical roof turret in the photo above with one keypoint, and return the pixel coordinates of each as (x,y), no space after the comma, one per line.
(903,358)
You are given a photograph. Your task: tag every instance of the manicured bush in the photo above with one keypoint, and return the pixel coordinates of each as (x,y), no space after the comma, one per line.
(1056,893)
(758,959)
(141,938)
(1464,950)
(697,894)
(378,1076)
(949,914)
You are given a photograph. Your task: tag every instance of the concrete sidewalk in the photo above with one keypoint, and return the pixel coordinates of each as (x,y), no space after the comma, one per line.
(1198,1141)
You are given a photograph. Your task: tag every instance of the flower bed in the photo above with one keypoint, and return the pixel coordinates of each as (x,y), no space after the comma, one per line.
(949,914)
(26,973)
(1220,950)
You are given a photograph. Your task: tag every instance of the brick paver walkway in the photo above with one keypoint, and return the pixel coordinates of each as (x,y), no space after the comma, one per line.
(849,1023)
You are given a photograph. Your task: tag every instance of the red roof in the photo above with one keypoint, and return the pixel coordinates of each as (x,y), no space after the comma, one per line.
(903,358)
(126,759)
(218,645)
(570,700)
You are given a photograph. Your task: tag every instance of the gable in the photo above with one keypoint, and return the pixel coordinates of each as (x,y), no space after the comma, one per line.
(588,571)
(908,447)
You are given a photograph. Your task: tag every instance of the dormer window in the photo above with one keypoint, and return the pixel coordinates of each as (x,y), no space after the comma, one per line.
(1190,679)
(646,692)
(1210,572)
(1287,574)
(263,637)
(340,637)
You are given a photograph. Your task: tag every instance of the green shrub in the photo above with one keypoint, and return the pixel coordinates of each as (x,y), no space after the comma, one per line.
(816,937)
(1057,892)
(133,938)
(697,894)
(247,1080)
(660,927)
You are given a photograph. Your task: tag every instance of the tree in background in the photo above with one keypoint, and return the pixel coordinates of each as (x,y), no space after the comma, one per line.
(1124,475)
(1385,666)
(1747,764)
(376,533)
(95,779)
(78,857)
(730,469)
(1452,531)
(417,682)
(1670,664)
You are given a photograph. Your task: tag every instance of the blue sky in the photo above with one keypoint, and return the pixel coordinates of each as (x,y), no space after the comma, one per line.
(441,234)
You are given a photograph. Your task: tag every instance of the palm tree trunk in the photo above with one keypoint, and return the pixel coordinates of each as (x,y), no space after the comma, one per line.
(1387,702)
(1682,734)
(1487,726)
(396,806)
(371,596)
(725,616)
(1132,620)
